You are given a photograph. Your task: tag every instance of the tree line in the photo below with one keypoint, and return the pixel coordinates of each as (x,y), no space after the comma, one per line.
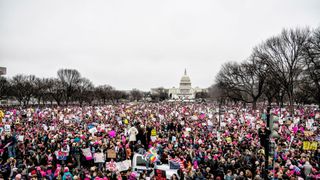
(68,87)
(283,67)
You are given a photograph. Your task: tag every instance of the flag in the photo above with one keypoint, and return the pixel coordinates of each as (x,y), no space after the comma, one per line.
(174,163)
(296,169)
(177,160)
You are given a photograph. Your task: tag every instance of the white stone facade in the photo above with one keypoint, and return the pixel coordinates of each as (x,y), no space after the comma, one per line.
(185,90)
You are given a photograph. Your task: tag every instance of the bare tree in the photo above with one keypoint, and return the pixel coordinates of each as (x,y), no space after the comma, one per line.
(4,87)
(272,89)
(283,55)
(116,95)
(84,91)
(136,94)
(311,75)
(55,90)
(70,79)
(215,92)
(202,95)
(23,87)
(160,94)
(46,96)
(225,80)
(104,93)
(40,89)
(243,81)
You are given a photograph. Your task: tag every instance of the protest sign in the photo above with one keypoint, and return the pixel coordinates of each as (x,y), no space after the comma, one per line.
(153,132)
(111,154)
(1,114)
(228,139)
(313,146)
(87,153)
(93,130)
(174,139)
(123,165)
(7,128)
(51,128)
(20,138)
(45,127)
(308,133)
(61,155)
(307,145)
(111,166)
(98,158)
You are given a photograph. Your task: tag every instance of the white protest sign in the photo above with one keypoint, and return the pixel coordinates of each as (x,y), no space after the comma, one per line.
(123,165)
(280,121)
(7,128)
(93,130)
(45,127)
(218,136)
(51,128)
(87,153)
(223,124)
(173,139)
(20,138)
(98,158)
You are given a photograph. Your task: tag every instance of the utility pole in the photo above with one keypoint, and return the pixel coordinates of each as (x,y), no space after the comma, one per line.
(267,142)
(220,102)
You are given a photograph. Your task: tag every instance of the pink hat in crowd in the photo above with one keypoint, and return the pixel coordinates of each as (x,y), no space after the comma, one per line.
(18,177)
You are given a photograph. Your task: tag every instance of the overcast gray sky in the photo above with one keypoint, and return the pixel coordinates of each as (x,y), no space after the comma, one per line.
(141,43)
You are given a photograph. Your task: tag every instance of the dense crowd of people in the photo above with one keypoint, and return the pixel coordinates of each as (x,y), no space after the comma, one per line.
(79,142)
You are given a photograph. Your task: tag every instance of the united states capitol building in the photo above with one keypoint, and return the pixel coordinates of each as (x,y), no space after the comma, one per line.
(185,90)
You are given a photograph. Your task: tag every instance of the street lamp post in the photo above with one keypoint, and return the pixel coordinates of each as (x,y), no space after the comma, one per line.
(267,142)
(274,147)
(280,94)
(220,102)
(274,136)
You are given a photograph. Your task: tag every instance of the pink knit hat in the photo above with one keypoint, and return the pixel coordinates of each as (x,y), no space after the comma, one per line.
(18,176)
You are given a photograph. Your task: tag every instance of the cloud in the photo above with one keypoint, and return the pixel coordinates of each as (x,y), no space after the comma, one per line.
(140,44)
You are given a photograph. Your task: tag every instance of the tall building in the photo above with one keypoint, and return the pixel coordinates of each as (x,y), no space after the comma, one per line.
(185,90)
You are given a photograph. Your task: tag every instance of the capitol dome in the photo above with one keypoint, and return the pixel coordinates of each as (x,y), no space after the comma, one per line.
(185,84)
(184,92)
(185,78)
